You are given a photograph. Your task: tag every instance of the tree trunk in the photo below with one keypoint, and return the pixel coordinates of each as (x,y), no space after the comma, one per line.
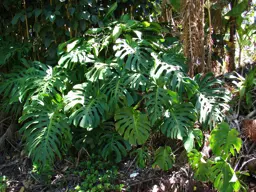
(232,41)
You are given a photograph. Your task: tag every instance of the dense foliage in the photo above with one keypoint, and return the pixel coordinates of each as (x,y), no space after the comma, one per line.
(121,80)
(83,75)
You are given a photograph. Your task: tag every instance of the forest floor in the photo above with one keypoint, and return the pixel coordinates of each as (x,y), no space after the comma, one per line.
(17,168)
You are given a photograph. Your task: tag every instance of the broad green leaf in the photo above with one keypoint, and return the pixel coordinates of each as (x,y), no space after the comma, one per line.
(45,129)
(189,141)
(199,165)
(223,177)
(132,125)
(179,119)
(157,101)
(110,11)
(224,140)
(86,106)
(163,158)
(114,146)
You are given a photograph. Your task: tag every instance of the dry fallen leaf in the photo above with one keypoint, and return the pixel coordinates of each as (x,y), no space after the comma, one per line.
(249,128)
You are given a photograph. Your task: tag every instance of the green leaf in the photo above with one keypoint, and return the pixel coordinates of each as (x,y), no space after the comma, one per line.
(134,55)
(189,141)
(198,136)
(157,101)
(114,146)
(16,18)
(132,125)
(211,100)
(118,95)
(224,177)
(110,11)
(141,157)
(37,12)
(224,140)
(180,119)
(163,158)
(199,165)
(116,32)
(101,70)
(45,129)
(238,9)
(86,106)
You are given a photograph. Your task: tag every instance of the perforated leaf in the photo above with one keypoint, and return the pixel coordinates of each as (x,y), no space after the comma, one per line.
(45,129)
(135,55)
(132,125)
(157,101)
(86,106)
(199,165)
(114,146)
(211,101)
(181,117)
(118,95)
(101,70)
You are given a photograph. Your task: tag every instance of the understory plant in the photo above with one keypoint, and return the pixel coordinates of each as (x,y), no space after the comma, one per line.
(97,175)
(110,91)
(225,144)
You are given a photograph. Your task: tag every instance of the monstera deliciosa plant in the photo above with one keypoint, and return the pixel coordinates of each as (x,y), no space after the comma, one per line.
(110,90)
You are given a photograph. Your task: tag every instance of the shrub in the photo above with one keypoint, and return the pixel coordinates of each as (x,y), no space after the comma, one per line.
(111,90)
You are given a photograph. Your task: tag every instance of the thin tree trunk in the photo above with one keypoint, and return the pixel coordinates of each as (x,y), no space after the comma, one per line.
(232,40)
(209,57)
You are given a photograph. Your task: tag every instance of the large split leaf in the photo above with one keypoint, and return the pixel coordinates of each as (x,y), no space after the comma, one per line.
(86,105)
(180,119)
(132,125)
(224,140)
(45,129)
(157,101)
(135,54)
(114,146)
(118,95)
(223,177)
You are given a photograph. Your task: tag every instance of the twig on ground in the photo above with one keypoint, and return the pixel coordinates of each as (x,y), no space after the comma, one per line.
(9,164)
(245,163)
(15,148)
(251,148)
(130,165)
